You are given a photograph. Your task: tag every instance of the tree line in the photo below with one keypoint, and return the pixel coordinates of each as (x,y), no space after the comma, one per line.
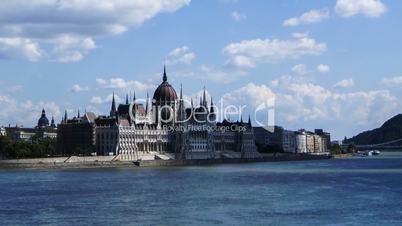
(36,148)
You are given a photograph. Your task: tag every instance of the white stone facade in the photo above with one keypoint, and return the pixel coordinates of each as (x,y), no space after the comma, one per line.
(135,132)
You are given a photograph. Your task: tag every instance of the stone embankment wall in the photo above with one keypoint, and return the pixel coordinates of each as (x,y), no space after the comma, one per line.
(109,162)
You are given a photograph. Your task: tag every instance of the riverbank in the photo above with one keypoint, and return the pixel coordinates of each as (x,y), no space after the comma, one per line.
(110,162)
(347,155)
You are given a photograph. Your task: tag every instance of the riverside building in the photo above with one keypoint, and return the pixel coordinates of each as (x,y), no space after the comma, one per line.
(43,129)
(165,128)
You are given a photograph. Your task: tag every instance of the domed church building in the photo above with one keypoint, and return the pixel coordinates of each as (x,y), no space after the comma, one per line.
(164,128)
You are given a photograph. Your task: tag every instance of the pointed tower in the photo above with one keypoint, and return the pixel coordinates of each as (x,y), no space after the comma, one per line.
(249,121)
(127,101)
(200,101)
(181,110)
(65,116)
(147,104)
(134,98)
(181,91)
(212,113)
(53,124)
(78,115)
(164,73)
(204,99)
(113,108)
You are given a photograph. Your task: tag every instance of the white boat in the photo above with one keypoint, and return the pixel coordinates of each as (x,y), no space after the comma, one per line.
(376,152)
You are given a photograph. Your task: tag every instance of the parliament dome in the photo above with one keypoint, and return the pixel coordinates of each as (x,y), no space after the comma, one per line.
(165,91)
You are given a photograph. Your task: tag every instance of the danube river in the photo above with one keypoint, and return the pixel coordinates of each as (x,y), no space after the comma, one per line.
(355,191)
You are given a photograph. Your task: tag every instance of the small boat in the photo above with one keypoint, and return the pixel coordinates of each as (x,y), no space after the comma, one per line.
(376,152)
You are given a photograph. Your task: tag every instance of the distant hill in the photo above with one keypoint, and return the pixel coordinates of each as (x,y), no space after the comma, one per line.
(390,130)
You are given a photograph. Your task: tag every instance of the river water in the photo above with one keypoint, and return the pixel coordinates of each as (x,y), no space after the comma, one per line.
(354,191)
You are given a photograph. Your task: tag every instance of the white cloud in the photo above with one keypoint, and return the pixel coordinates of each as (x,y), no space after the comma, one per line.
(70,49)
(299,104)
(180,55)
(323,68)
(300,69)
(19,48)
(369,8)
(236,16)
(251,93)
(71,27)
(25,112)
(274,50)
(240,61)
(345,83)
(312,16)
(224,75)
(97,100)
(77,88)
(392,81)
(126,85)
(101,81)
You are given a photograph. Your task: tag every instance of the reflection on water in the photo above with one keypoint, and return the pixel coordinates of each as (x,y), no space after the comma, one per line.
(351,191)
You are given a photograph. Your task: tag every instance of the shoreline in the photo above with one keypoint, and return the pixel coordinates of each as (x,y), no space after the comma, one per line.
(40,164)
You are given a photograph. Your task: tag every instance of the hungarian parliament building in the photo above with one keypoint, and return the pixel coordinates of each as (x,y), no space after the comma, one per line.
(161,128)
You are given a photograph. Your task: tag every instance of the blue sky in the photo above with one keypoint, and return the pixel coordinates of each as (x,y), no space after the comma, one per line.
(328,64)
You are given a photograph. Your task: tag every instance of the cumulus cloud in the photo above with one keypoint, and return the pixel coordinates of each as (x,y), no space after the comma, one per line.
(221,75)
(323,68)
(97,100)
(71,27)
(236,16)
(240,61)
(126,85)
(19,48)
(345,83)
(180,55)
(299,103)
(77,88)
(250,93)
(310,17)
(392,81)
(25,112)
(300,69)
(68,49)
(369,8)
(272,50)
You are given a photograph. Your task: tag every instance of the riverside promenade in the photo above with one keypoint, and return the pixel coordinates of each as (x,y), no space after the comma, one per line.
(113,162)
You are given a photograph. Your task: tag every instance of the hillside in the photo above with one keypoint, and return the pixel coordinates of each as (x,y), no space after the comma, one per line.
(390,130)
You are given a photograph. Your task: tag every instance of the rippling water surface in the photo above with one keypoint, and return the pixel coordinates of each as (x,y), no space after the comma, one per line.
(356,191)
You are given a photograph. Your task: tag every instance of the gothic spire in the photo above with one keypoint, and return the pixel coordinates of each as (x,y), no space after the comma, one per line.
(147,103)
(78,115)
(204,98)
(164,73)
(249,120)
(134,98)
(65,116)
(181,92)
(113,108)
(127,102)
(212,106)
(53,124)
